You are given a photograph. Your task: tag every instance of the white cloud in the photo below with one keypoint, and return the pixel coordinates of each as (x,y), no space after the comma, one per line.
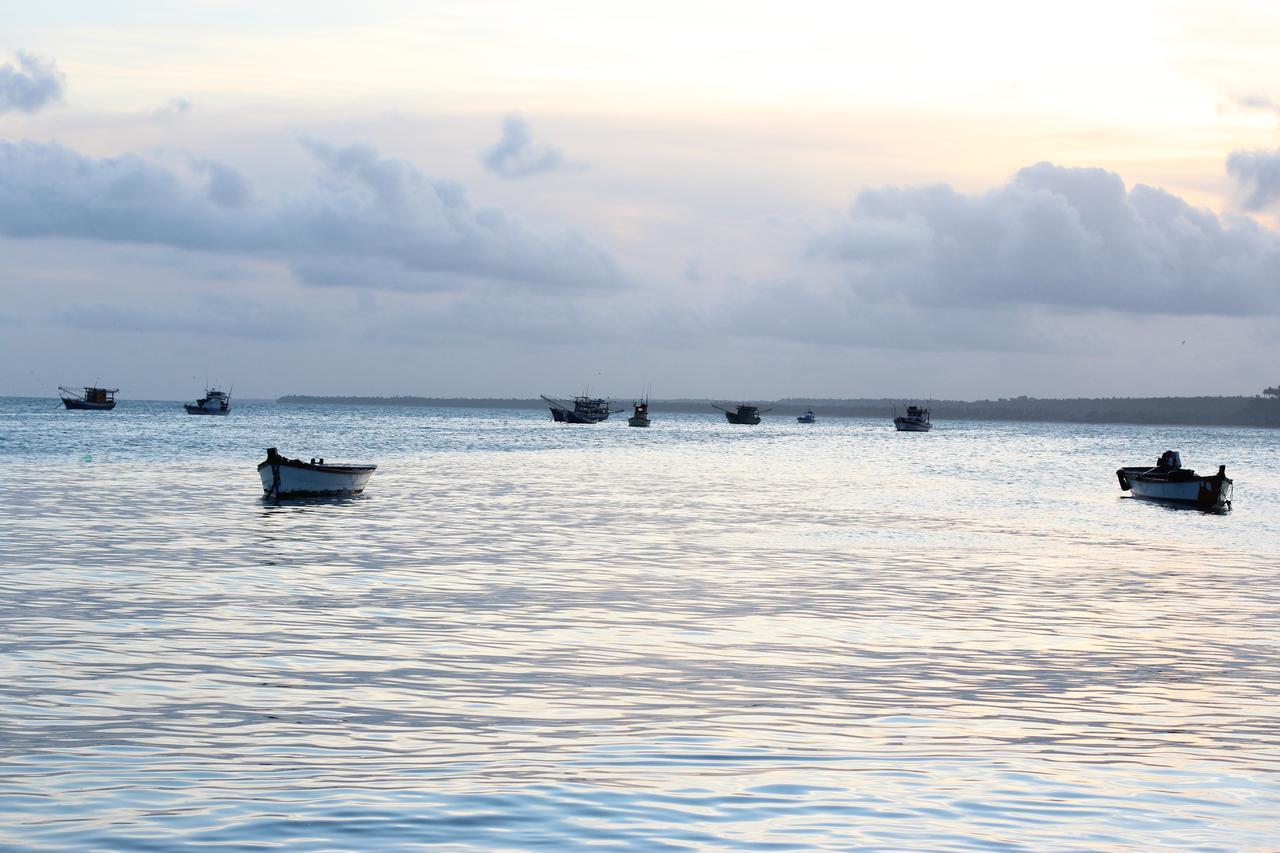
(174,108)
(1257,176)
(367,214)
(29,86)
(1059,237)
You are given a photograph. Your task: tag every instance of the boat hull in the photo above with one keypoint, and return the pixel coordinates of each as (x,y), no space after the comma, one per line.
(292,478)
(566,416)
(84,405)
(1212,492)
(907,425)
(200,410)
(806,419)
(741,420)
(637,422)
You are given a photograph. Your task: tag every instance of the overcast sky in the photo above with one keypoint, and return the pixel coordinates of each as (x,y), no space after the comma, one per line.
(750,200)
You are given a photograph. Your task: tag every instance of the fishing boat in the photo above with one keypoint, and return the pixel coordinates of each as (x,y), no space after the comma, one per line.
(583,410)
(213,402)
(93,399)
(640,418)
(807,418)
(742,413)
(915,420)
(1169,481)
(293,478)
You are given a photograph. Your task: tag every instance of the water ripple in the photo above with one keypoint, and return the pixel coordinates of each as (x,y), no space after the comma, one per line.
(527,636)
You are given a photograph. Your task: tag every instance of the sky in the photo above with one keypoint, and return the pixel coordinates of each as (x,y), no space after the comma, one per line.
(733,201)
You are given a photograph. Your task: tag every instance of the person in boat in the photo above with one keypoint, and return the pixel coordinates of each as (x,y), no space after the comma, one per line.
(1169,460)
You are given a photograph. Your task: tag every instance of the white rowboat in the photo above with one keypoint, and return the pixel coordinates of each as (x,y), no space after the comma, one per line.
(293,478)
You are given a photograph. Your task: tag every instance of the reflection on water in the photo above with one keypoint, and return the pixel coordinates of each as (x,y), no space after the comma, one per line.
(525,635)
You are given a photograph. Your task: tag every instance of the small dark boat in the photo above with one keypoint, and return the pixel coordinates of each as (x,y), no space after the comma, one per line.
(213,402)
(1169,481)
(93,399)
(640,418)
(807,418)
(293,478)
(744,414)
(583,410)
(915,420)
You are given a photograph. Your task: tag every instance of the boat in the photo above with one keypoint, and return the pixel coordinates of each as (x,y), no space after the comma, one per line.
(807,418)
(293,478)
(915,420)
(583,410)
(640,418)
(213,402)
(742,413)
(93,399)
(1169,481)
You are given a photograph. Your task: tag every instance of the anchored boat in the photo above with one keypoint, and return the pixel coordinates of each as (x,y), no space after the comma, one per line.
(1169,481)
(293,478)
(743,413)
(213,402)
(915,420)
(583,410)
(640,418)
(807,418)
(93,399)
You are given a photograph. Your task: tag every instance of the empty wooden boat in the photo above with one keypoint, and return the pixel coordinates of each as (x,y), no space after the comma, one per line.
(294,478)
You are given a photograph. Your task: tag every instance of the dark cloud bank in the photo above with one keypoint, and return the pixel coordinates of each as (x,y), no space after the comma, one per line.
(30,85)
(371,221)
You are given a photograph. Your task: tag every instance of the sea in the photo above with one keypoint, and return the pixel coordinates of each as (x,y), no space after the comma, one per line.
(697,636)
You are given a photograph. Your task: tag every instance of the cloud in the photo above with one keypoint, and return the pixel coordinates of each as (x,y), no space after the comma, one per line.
(227,187)
(1073,239)
(173,108)
(516,155)
(211,314)
(1257,176)
(1258,102)
(29,86)
(366,216)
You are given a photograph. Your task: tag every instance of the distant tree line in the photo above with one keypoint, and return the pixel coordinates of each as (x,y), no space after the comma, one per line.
(1261,411)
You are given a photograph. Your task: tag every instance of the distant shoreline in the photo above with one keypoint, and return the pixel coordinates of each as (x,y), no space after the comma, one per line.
(1168,411)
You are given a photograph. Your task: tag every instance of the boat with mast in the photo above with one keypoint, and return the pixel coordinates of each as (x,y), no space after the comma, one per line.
(582,410)
(93,399)
(807,418)
(640,411)
(915,420)
(214,402)
(745,414)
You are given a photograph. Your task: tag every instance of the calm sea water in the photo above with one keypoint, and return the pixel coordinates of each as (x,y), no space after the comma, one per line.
(528,635)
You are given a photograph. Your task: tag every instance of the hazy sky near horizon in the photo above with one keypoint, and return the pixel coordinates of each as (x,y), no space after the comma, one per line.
(726,200)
